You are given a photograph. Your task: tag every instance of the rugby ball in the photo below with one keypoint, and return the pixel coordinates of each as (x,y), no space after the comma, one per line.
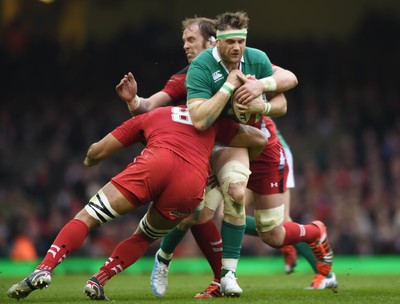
(246,118)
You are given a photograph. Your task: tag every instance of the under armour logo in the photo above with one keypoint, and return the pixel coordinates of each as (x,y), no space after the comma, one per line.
(274,185)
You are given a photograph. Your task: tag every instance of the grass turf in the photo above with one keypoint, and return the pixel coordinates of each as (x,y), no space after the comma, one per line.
(277,288)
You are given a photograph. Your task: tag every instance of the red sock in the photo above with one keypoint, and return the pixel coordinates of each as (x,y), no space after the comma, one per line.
(209,240)
(70,238)
(125,254)
(296,233)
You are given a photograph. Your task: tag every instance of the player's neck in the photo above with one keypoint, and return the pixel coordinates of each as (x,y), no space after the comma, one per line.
(230,66)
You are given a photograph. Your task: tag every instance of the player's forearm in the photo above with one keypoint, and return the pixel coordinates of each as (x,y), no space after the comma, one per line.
(278,105)
(286,83)
(148,104)
(138,106)
(251,138)
(281,81)
(208,111)
(259,141)
(102,149)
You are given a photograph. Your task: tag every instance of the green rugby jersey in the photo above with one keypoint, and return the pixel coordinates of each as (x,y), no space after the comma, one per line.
(207,74)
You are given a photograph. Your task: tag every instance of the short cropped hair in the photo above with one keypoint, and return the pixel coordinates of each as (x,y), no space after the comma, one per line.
(237,20)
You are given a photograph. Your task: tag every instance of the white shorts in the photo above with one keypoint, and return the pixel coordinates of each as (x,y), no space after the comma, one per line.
(290,178)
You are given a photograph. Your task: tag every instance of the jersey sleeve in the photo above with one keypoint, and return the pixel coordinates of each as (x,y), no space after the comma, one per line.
(226,130)
(260,62)
(197,83)
(130,131)
(266,68)
(175,87)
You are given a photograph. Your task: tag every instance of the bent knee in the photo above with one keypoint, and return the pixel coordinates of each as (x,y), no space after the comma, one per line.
(236,191)
(86,218)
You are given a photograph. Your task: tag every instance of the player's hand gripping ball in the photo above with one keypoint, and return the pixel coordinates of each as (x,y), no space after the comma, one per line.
(247,118)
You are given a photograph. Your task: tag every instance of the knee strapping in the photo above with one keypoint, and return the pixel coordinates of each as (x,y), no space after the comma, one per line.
(268,219)
(212,198)
(99,208)
(150,231)
(233,172)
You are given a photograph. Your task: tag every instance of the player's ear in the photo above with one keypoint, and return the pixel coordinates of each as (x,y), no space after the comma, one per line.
(211,41)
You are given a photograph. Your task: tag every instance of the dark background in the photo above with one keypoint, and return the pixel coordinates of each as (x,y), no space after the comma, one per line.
(60,62)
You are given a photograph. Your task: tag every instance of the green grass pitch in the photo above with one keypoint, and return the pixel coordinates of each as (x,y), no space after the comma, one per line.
(277,288)
(364,280)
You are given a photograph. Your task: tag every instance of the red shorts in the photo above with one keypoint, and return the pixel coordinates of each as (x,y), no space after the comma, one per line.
(269,171)
(159,175)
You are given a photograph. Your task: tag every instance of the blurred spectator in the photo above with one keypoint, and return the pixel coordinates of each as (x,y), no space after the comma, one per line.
(23,249)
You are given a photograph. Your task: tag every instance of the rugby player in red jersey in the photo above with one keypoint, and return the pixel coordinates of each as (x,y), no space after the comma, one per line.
(175,154)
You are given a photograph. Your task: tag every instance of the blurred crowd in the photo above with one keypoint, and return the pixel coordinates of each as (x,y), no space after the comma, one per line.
(343,126)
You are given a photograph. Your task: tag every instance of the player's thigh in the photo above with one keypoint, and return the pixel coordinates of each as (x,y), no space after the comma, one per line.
(221,155)
(286,202)
(158,221)
(249,198)
(268,201)
(105,206)
(117,201)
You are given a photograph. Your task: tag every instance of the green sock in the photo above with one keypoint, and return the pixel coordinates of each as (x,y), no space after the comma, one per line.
(306,252)
(250,226)
(170,241)
(232,237)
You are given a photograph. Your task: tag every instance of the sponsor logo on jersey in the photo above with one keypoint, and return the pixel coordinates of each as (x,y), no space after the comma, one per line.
(274,185)
(217,76)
